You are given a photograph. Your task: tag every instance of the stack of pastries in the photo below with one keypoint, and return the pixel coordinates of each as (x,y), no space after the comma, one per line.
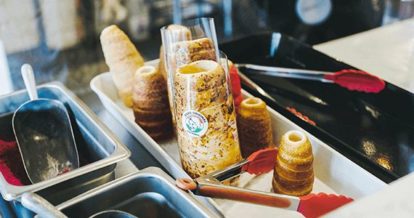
(193,50)
(254,126)
(179,33)
(141,87)
(150,103)
(123,60)
(204,107)
(293,172)
(206,120)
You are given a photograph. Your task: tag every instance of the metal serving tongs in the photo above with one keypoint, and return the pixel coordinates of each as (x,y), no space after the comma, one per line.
(351,79)
(312,205)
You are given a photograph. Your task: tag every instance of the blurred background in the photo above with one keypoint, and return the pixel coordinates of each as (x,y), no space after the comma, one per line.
(60,38)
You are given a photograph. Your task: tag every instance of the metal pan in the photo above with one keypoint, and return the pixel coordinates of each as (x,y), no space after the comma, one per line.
(148,193)
(98,148)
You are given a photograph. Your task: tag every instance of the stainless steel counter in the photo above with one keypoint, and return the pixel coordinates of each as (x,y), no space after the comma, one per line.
(387,52)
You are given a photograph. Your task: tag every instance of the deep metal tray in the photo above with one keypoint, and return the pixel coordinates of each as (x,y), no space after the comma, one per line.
(99,149)
(374,130)
(148,193)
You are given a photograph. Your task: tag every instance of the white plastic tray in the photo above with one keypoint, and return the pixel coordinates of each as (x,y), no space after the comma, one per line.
(334,173)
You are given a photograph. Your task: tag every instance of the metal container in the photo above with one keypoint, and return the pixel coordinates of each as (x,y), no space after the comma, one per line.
(352,180)
(148,193)
(99,149)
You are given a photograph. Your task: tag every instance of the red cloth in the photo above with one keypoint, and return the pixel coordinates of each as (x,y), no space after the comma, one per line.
(11,164)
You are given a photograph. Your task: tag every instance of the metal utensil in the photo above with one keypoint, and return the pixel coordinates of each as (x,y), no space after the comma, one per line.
(40,206)
(354,80)
(112,214)
(44,134)
(45,209)
(311,205)
(248,82)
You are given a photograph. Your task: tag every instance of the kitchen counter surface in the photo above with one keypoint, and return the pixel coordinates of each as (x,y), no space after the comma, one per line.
(387,52)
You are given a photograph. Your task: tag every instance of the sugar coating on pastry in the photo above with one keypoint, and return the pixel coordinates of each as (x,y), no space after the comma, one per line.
(150,103)
(254,126)
(199,89)
(293,174)
(176,33)
(122,58)
(193,50)
(204,74)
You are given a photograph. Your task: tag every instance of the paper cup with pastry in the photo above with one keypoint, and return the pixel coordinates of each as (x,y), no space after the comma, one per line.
(182,44)
(205,115)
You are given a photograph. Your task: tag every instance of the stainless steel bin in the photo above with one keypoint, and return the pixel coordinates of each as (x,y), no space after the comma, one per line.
(147,193)
(99,150)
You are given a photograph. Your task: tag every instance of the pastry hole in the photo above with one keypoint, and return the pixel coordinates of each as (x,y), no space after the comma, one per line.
(296,137)
(198,67)
(253,101)
(146,70)
(190,69)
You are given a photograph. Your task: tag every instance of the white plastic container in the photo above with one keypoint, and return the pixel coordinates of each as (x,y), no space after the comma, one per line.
(334,173)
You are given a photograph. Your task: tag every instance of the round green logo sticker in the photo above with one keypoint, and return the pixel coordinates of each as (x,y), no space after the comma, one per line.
(194,123)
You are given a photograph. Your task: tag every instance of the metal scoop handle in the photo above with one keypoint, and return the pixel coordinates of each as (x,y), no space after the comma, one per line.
(41,206)
(29,81)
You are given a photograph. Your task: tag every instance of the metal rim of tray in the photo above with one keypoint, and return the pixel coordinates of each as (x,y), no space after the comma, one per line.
(121,152)
(150,171)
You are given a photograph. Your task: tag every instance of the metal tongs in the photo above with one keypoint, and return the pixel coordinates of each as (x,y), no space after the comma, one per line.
(311,205)
(351,79)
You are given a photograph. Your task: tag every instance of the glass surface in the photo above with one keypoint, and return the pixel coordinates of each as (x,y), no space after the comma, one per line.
(184,43)
(200,93)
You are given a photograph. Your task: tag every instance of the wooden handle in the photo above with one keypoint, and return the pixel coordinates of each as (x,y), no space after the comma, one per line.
(245,196)
(233,193)
(186,184)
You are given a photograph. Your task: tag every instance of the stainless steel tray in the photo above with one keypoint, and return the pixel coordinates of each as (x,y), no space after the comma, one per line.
(148,193)
(100,149)
(334,172)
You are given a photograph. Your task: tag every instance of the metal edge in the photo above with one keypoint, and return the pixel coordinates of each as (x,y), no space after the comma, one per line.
(69,123)
(150,172)
(159,153)
(120,152)
(120,149)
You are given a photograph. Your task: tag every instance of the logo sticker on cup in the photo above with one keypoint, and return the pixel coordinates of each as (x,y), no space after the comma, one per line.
(194,123)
